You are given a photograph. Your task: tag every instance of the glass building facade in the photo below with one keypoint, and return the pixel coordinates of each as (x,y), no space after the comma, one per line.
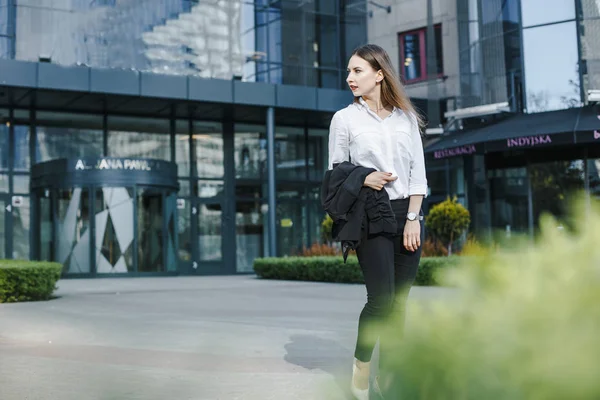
(142,81)
(287,41)
(541,57)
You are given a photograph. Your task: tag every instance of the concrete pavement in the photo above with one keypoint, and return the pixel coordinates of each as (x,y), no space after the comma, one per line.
(196,338)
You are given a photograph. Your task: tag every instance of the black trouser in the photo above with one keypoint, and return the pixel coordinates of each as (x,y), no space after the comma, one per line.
(389,270)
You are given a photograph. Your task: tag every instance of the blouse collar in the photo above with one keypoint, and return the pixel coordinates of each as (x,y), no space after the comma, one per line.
(364,104)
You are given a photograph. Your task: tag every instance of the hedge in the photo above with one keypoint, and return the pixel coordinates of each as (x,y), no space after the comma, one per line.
(333,269)
(27,280)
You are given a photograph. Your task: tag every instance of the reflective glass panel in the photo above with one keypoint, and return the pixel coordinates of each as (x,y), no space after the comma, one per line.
(290,153)
(209,232)
(509,200)
(209,188)
(4,129)
(184,229)
(21,218)
(251,240)
(22,160)
(593,172)
(150,230)
(2,225)
(536,12)
(114,230)
(208,143)
(590,44)
(554,185)
(551,67)
(250,151)
(291,226)
(21,184)
(45,228)
(139,137)
(182,148)
(437,182)
(317,152)
(412,55)
(4,183)
(61,135)
(72,230)
(171,247)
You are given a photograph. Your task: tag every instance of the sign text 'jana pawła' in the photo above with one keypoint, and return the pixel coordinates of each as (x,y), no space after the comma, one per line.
(115,164)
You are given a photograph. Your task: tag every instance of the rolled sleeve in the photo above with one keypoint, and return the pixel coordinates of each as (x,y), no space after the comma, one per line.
(417,184)
(338,141)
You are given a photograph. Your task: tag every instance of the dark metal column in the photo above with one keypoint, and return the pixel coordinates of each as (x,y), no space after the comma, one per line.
(12,29)
(271,181)
(229,249)
(529,202)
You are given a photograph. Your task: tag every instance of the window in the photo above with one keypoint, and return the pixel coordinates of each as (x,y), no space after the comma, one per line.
(413,54)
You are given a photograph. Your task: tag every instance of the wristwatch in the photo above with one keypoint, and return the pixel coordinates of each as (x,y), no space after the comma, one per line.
(411,216)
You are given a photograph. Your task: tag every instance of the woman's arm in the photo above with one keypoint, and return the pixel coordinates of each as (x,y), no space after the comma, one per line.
(338,141)
(417,190)
(417,181)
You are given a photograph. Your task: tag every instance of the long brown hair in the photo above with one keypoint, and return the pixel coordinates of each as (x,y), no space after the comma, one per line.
(392,90)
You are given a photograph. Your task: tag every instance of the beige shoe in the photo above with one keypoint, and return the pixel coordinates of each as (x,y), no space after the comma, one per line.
(359,394)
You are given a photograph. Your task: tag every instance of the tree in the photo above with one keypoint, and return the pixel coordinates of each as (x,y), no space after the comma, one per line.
(447,221)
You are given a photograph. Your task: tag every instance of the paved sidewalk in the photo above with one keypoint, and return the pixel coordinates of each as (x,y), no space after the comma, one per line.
(196,338)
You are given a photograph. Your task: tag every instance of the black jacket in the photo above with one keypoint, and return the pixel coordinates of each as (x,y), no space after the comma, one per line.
(357,211)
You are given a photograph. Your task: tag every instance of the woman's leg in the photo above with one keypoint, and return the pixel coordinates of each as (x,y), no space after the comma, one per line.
(376,259)
(406,264)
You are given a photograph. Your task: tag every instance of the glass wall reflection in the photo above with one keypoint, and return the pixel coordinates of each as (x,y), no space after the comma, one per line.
(551,67)
(257,41)
(2,225)
(4,147)
(72,230)
(207,138)
(509,200)
(292,235)
(182,147)
(114,221)
(209,232)
(590,45)
(21,216)
(317,152)
(139,137)
(150,230)
(251,241)
(62,135)
(554,186)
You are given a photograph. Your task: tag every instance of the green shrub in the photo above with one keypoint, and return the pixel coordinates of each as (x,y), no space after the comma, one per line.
(447,221)
(333,269)
(326,229)
(525,324)
(27,280)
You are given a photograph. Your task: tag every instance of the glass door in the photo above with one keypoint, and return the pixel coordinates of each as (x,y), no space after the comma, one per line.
(209,240)
(151,244)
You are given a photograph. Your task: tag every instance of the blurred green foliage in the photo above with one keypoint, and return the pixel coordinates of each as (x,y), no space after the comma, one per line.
(524,326)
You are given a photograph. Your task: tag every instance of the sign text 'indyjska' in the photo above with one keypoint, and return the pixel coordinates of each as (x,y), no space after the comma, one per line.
(529,141)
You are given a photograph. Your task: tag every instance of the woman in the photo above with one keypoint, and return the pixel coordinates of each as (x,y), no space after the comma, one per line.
(380,130)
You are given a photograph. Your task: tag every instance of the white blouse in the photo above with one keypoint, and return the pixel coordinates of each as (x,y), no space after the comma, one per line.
(392,144)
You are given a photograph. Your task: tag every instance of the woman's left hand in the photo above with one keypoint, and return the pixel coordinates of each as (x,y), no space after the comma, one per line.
(412,235)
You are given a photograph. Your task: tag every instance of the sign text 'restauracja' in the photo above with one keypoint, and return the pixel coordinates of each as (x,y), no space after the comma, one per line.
(112,164)
(455,151)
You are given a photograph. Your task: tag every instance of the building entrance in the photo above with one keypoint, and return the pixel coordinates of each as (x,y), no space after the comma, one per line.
(106,216)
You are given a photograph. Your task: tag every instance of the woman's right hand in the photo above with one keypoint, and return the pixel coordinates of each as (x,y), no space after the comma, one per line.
(377,180)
